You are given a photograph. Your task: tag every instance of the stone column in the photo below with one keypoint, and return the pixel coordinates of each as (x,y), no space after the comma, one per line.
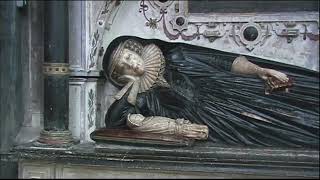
(56,75)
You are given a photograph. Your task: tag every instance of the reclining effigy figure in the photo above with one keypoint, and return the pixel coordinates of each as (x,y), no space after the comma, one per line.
(227,98)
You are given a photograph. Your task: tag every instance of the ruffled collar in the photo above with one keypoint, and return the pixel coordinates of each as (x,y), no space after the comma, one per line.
(153,76)
(154,68)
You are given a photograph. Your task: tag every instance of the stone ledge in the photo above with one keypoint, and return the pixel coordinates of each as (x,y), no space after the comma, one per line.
(201,158)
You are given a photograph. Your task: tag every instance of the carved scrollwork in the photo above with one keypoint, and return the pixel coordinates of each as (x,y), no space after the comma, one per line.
(177,23)
(291,31)
(180,23)
(289,34)
(161,4)
(103,23)
(214,30)
(152,22)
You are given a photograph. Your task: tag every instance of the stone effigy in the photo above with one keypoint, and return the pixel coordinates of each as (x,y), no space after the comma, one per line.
(242,100)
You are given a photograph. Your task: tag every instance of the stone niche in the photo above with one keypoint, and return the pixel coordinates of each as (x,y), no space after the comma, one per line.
(95,24)
(259,34)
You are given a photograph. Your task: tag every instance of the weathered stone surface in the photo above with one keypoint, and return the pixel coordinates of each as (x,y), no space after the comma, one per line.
(201,159)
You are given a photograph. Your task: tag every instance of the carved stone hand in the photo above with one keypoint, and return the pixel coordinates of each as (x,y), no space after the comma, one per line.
(242,66)
(273,73)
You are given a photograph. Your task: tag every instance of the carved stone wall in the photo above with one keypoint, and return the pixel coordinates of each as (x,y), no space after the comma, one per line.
(288,37)
(284,37)
(87,160)
(32,80)
(47,170)
(84,107)
(84,81)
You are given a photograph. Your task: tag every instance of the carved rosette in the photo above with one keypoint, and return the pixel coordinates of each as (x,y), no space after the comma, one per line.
(179,23)
(250,34)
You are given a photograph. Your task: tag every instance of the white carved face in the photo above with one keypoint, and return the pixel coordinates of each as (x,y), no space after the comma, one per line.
(137,117)
(130,63)
(135,120)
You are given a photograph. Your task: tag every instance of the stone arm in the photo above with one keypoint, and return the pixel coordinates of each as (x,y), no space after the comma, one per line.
(187,59)
(241,65)
(117,113)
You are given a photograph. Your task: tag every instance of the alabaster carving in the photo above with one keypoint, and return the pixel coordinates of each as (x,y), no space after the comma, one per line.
(229,98)
(164,125)
(138,67)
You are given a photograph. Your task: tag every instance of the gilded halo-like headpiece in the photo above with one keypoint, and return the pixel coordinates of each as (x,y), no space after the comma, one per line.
(115,57)
(154,69)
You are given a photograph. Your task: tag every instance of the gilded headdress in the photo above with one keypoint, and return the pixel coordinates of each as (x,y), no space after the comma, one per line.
(154,68)
(116,55)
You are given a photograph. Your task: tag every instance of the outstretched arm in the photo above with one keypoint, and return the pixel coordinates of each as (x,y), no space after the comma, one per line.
(241,65)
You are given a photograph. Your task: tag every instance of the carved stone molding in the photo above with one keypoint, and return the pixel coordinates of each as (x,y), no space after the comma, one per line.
(173,21)
(84,107)
(178,23)
(56,68)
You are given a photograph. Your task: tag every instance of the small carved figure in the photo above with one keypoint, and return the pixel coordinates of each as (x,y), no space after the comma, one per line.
(164,125)
(235,96)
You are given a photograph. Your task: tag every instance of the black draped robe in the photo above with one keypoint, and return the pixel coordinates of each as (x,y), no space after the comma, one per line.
(234,107)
